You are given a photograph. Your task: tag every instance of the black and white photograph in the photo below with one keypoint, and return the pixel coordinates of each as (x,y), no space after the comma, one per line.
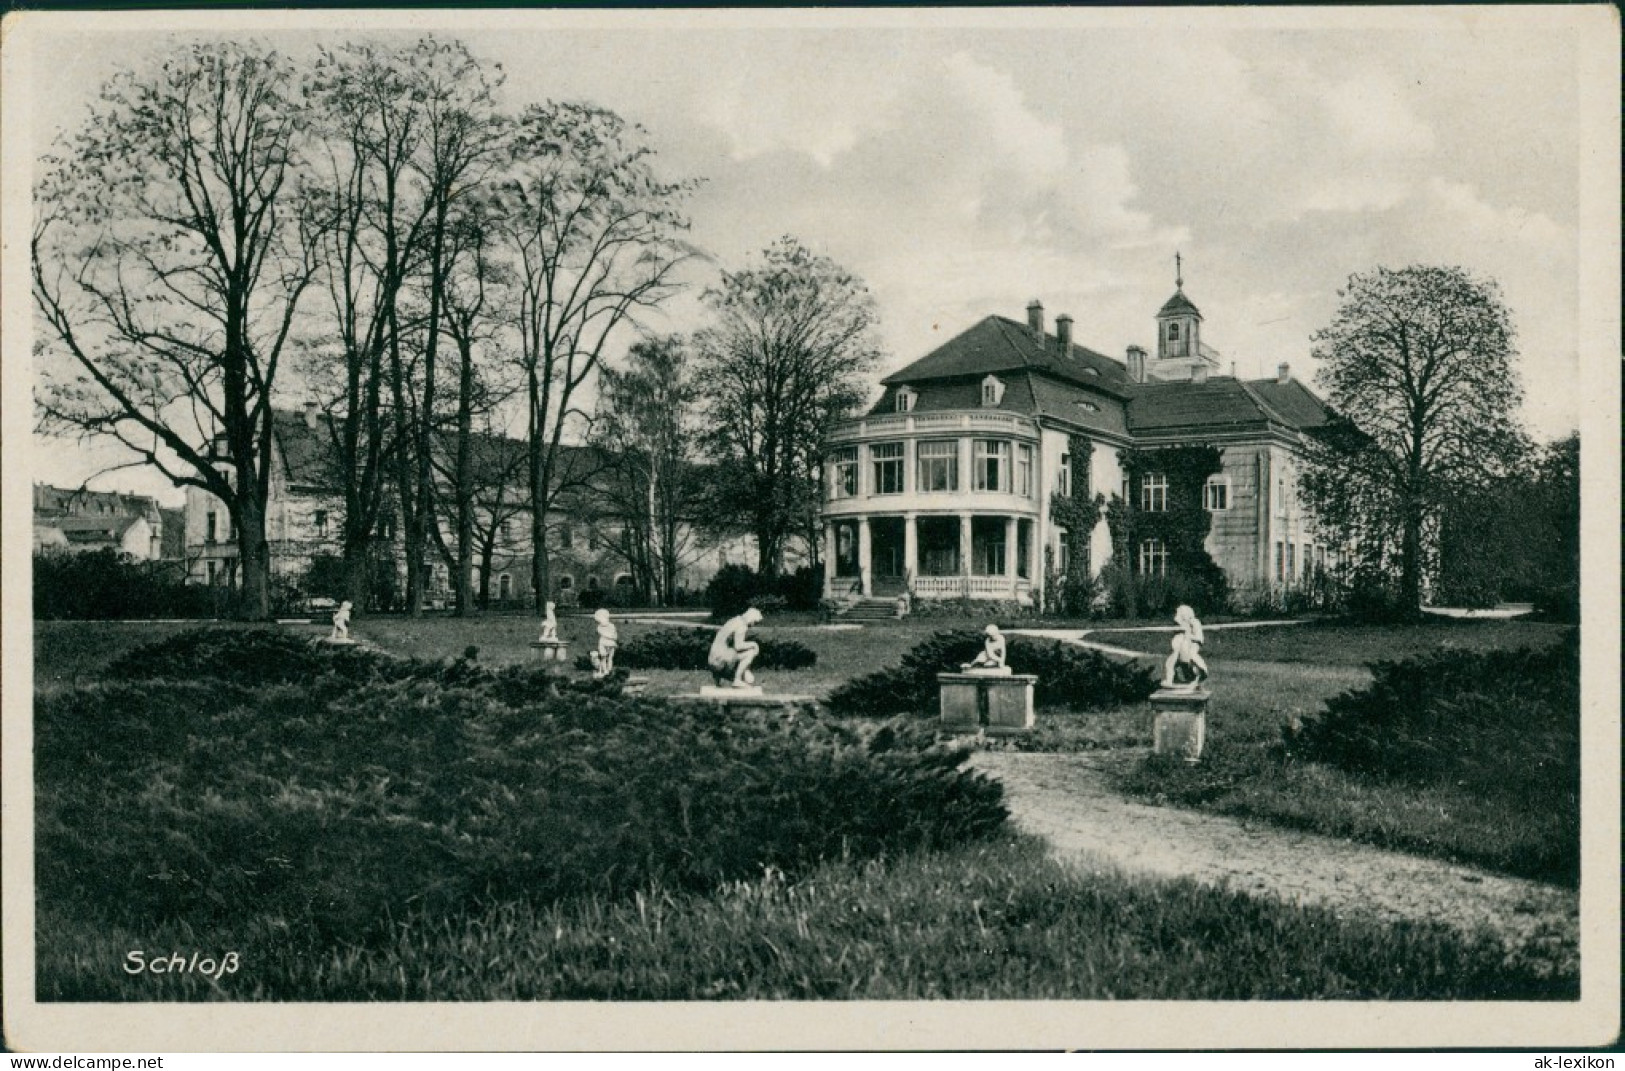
(964,528)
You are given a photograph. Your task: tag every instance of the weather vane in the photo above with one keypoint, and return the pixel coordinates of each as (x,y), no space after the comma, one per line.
(1179,272)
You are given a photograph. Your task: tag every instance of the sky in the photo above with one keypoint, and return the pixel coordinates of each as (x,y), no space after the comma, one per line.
(964,163)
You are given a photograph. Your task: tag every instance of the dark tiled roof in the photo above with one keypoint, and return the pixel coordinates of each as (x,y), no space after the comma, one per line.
(1222,403)
(936,395)
(1063,401)
(1177,304)
(308,452)
(996,344)
(1295,403)
(92,529)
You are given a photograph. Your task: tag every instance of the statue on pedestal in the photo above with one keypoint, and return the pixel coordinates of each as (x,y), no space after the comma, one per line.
(1186,654)
(341,624)
(603,656)
(993,652)
(550,627)
(732,652)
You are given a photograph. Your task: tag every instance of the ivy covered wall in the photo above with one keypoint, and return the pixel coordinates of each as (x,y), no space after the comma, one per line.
(1182,526)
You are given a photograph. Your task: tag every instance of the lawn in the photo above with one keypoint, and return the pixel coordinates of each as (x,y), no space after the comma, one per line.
(989,920)
(1334,642)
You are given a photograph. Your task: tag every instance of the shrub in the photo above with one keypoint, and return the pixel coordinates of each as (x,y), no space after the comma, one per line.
(243,656)
(802,589)
(731,591)
(689,648)
(323,816)
(1067,676)
(1458,714)
(110,585)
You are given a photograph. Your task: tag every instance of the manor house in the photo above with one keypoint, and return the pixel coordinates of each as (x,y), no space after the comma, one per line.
(945,488)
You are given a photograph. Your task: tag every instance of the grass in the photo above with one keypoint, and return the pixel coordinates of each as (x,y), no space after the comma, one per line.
(995,921)
(1340,643)
(1000,920)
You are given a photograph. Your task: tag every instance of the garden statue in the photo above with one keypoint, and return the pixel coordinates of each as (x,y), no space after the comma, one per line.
(1186,653)
(341,624)
(732,652)
(603,658)
(992,656)
(550,627)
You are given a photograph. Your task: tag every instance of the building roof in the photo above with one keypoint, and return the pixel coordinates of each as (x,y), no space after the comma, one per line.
(1222,403)
(94,529)
(996,344)
(56,501)
(1177,305)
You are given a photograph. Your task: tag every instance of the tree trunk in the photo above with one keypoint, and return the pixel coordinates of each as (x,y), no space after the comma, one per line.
(1410,562)
(255,554)
(358,575)
(465,478)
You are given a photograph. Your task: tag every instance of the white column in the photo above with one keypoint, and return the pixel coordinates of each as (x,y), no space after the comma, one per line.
(964,545)
(965,481)
(829,557)
(1010,530)
(911,547)
(863,553)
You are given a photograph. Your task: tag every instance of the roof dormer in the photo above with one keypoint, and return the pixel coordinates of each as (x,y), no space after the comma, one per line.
(992,391)
(905,399)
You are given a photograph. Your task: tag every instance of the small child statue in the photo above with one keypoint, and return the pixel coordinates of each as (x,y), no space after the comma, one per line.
(341,623)
(1187,651)
(550,627)
(603,658)
(992,656)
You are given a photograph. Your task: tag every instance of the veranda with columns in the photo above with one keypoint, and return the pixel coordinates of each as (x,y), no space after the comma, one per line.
(935,505)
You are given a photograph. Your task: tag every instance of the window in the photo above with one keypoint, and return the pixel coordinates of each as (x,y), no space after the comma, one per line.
(843,468)
(214,573)
(1063,481)
(1153,558)
(505,586)
(321,522)
(1280,562)
(210,531)
(592,583)
(1063,556)
(1291,565)
(992,390)
(905,400)
(1024,470)
(233,536)
(888,468)
(1154,492)
(991,464)
(939,466)
(1216,495)
(567,538)
(1173,332)
(503,531)
(1280,495)
(567,582)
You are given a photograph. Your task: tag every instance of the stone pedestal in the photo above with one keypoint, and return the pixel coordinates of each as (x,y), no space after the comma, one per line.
(339,641)
(552,651)
(1179,723)
(997,702)
(711,691)
(635,686)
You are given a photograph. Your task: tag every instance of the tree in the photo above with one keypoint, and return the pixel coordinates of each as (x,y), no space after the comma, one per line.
(408,133)
(1420,361)
(169,259)
(645,423)
(592,236)
(789,352)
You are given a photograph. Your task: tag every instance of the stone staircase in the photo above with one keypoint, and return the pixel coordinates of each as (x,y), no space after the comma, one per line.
(871,610)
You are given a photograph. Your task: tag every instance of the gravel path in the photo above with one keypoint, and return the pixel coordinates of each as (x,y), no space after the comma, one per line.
(1067,799)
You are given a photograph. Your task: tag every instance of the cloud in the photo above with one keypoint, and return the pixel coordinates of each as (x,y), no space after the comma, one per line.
(1370,113)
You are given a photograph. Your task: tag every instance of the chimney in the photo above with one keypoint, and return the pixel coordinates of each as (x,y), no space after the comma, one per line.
(1136,364)
(1035,317)
(1063,332)
(1283,372)
(310,415)
(1199,373)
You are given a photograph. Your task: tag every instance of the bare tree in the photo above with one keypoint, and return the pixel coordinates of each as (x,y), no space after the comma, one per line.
(1420,361)
(168,264)
(646,425)
(593,239)
(789,352)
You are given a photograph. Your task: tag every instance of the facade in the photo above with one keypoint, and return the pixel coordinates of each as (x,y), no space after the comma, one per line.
(305,525)
(946,488)
(74,521)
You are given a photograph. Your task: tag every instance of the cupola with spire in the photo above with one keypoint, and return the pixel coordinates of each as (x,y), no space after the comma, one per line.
(1179,335)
